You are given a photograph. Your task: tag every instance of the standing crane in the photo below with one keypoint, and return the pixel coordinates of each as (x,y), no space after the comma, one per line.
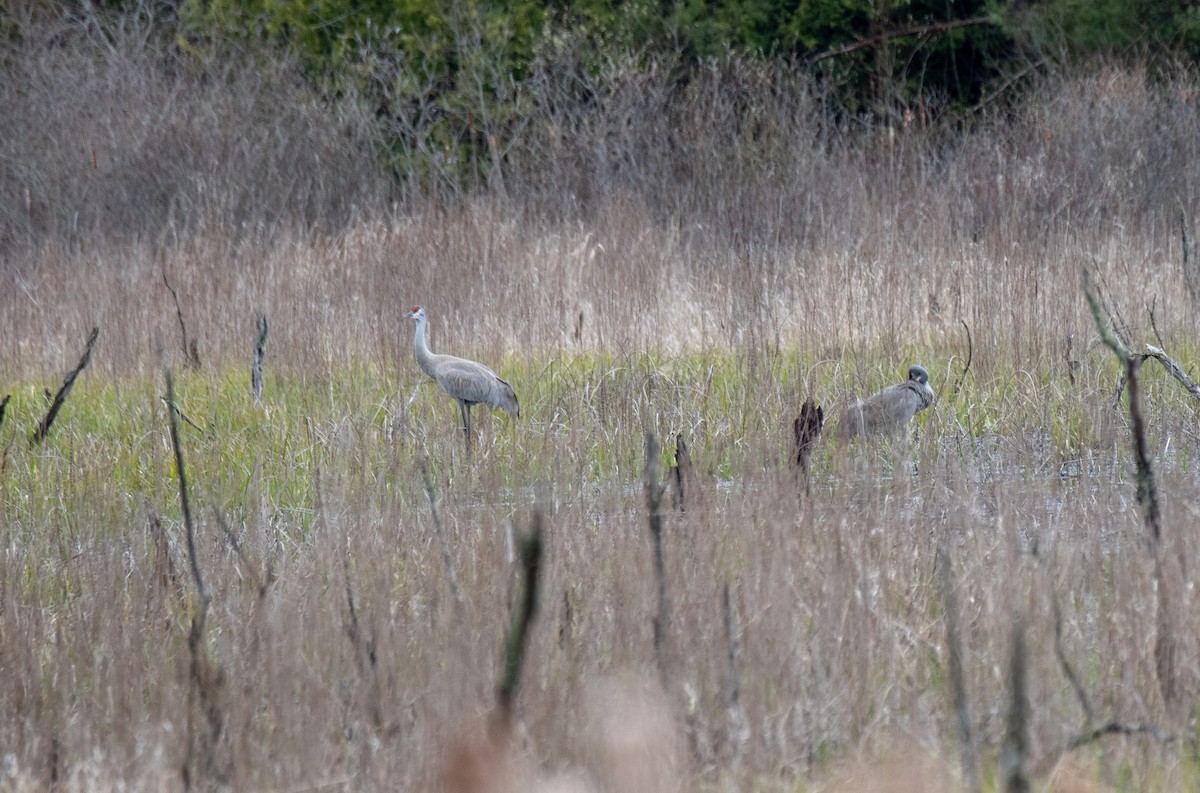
(468,382)
(891,408)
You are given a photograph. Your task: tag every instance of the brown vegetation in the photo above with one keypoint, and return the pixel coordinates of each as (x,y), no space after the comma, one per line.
(806,637)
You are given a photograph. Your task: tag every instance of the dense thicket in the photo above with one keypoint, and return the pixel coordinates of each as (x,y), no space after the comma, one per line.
(140,117)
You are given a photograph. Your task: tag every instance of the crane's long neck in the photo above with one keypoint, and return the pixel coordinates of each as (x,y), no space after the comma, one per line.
(424,356)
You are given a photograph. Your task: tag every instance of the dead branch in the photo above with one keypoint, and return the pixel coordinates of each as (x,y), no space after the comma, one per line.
(1117,728)
(361,642)
(1016,742)
(191,353)
(735,716)
(207,678)
(260,351)
(1003,87)
(1165,647)
(1173,369)
(654,494)
(1068,671)
(181,414)
(1191,268)
(681,471)
(970,355)
(918,31)
(261,585)
(39,434)
(517,640)
(431,493)
(958,687)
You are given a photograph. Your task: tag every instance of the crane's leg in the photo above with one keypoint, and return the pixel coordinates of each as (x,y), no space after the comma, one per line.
(466,417)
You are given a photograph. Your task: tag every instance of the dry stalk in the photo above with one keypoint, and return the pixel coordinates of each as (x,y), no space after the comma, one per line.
(735,716)
(1015,749)
(362,643)
(1166,650)
(681,472)
(261,585)
(260,350)
(207,679)
(56,404)
(175,408)
(517,640)
(654,494)
(1191,268)
(967,368)
(431,493)
(958,688)
(191,353)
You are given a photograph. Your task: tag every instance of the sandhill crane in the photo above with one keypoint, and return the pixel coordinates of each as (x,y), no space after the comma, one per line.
(468,382)
(891,408)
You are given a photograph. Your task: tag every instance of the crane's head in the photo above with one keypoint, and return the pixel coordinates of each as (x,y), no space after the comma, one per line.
(918,375)
(416,312)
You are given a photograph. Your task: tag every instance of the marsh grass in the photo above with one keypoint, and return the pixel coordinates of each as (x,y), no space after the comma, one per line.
(704,288)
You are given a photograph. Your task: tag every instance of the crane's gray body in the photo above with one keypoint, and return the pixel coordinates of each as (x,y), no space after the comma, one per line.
(890,409)
(467,382)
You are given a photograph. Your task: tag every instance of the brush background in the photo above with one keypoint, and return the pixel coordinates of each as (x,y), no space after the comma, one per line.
(694,260)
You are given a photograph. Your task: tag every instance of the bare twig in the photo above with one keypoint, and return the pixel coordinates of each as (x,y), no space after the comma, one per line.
(1003,87)
(260,585)
(39,434)
(681,471)
(191,354)
(1154,324)
(1015,748)
(967,368)
(735,717)
(431,493)
(654,493)
(206,678)
(1117,728)
(175,408)
(1068,671)
(958,687)
(1147,489)
(918,31)
(260,350)
(1191,267)
(1174,369)
(517,639)
(1147,492)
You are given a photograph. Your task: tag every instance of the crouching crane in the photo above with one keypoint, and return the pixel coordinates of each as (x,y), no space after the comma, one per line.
(467,382)
(890,409)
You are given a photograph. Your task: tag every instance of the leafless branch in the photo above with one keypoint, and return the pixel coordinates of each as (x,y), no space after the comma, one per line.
(260,351)
(56,404)
(967,368)
(966,740)
(191,354)
(175,409)
(517,639)
(1015,748)
(431,493)
(917,31)
(654,493)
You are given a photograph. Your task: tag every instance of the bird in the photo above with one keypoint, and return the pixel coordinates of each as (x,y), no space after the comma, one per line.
(890,409)
(467,382)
